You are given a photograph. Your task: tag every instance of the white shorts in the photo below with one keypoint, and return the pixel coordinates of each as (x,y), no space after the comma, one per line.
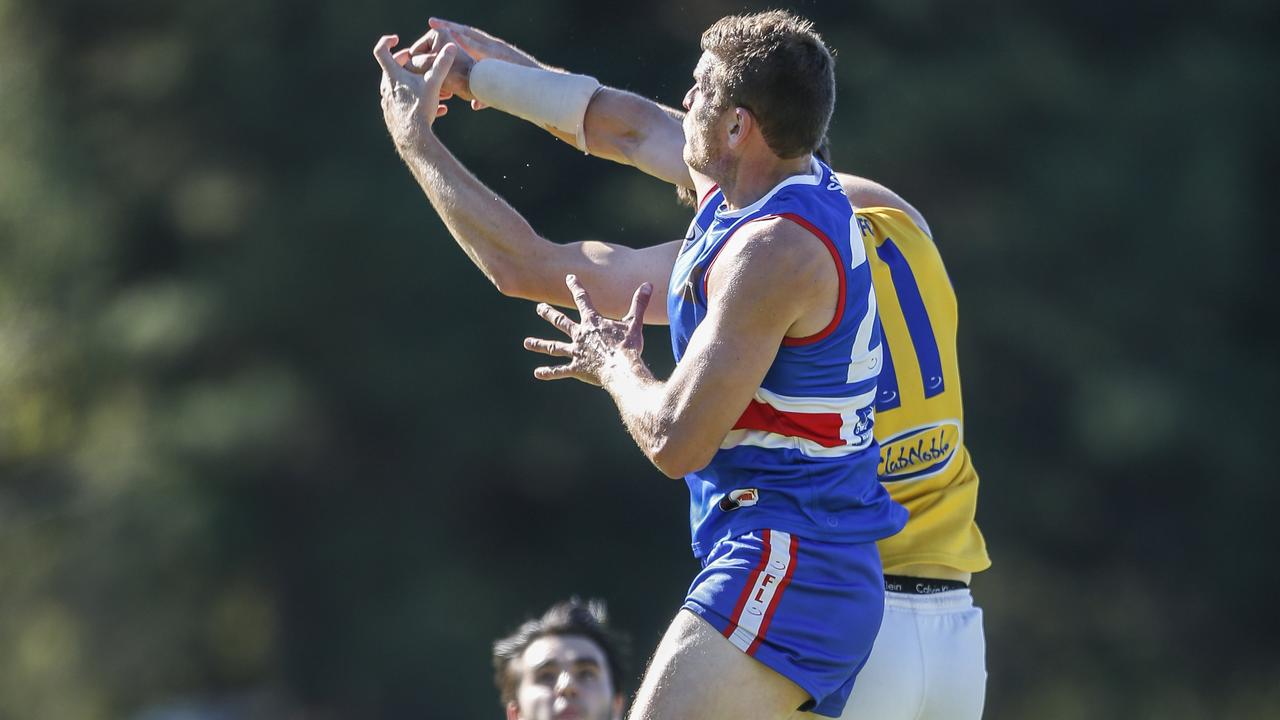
(928,662)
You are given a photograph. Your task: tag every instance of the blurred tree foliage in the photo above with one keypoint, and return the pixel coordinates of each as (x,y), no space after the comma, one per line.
(269,446)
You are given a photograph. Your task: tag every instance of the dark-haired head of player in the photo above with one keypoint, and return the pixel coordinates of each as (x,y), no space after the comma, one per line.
(764,90)
(566,664)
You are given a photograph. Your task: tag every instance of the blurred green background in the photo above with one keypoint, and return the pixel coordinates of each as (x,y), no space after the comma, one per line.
(269,446)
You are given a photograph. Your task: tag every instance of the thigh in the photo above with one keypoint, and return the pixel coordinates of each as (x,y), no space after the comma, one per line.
(891,684)
(697,673)
(956,665)
(777,598)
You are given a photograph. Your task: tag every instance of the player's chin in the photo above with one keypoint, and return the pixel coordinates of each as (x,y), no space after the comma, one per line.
(701,160)
(690,158)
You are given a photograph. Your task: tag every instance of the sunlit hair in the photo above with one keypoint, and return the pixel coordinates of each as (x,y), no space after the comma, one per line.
(686,196)
(588,619)
(776,67)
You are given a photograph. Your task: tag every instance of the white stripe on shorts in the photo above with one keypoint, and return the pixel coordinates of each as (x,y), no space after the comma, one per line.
(763,592)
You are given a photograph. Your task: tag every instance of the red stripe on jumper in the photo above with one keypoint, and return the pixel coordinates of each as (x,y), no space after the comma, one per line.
(835,255)
(822,428)
(751,585)
(708,194)
(777,598)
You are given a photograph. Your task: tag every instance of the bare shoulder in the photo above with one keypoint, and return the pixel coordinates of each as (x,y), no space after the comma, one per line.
(776,247)
(775,262)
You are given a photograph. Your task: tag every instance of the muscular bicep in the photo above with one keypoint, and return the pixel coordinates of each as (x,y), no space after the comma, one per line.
(869,193)
(756,293)
(610,272)
(720,371)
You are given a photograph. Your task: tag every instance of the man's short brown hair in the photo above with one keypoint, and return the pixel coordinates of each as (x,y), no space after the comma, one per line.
(774,65)
(572,617)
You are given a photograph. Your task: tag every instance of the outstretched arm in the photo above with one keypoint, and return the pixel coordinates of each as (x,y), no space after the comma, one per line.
(617,125)
(621,126)
(518,261)
(630,129)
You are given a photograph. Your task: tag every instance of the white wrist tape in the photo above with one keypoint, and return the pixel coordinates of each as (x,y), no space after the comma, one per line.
(543,97)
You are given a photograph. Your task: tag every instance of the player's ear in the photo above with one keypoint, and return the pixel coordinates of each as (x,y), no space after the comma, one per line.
(513,711)
(740,126)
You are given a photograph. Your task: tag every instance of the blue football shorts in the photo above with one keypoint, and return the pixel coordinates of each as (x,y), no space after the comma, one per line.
(807,609)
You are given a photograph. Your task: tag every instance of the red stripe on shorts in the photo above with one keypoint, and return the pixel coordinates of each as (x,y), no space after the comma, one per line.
(777,598)
(751,585)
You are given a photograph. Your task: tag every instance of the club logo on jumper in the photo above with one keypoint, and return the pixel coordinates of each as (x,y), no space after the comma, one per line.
(862,428)
(745,497)
(919,452)
(864,225)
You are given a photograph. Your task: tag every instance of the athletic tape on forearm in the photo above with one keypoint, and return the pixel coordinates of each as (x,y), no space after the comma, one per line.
(544,97)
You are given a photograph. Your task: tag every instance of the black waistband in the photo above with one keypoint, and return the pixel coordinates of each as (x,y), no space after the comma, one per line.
(920,586)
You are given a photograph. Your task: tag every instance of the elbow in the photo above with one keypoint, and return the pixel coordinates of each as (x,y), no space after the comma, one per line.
(525,273)
(626,144)
(677,459)
(509,278)
(667,469)
(505,281)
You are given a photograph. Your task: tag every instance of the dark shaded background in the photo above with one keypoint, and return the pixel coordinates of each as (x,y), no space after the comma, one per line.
(269,446)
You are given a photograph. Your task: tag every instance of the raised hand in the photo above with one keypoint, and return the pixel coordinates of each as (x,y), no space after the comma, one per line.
(597,342)
(476,44)
(458,81)
(410,101)
(480,44)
